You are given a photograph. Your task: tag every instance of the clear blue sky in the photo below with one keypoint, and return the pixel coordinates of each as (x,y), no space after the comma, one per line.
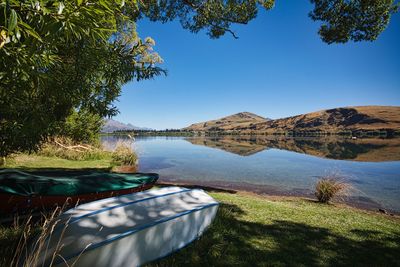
(278,67)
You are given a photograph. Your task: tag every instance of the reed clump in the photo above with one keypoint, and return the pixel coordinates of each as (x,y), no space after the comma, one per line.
(124,154)
(27,239)
(330,187)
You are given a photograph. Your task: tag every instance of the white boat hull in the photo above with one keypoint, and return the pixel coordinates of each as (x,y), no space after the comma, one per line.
(133,229)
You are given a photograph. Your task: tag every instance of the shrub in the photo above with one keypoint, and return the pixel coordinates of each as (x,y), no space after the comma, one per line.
(329,187)
(83,127)
(124,155)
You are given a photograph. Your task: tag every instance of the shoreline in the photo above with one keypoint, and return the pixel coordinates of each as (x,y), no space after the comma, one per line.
(274,194)
(267,191)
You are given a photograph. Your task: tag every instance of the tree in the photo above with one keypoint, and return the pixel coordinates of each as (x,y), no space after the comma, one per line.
(341,20)
(214,16)
(57,57)
(356,20)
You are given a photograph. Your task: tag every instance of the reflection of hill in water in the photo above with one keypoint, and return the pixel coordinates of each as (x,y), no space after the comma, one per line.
(240,145)
(367,149)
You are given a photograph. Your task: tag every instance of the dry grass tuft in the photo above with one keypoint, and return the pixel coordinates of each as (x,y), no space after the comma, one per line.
(330,187)
(33,241)
(66,148)
(35,234)
(124,155)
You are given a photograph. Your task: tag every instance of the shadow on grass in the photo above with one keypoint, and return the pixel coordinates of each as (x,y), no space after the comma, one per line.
(234,242)
(231,241)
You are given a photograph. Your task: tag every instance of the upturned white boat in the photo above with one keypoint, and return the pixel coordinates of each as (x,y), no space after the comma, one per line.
(130,230)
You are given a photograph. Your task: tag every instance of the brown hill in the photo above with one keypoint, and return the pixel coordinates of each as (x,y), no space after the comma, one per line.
(240,120)
(362,118)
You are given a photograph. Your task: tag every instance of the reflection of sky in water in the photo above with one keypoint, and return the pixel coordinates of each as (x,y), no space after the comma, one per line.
(174,157)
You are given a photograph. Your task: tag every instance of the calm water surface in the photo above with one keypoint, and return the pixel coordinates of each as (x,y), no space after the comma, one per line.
(288,166)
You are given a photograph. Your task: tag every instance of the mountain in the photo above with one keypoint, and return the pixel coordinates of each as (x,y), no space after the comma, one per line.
(111,126)
(239,120)
(361,118)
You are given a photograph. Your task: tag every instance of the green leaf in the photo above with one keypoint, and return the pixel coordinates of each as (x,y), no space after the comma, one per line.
(34,34)
(12,20)
(105,4)
(29,30)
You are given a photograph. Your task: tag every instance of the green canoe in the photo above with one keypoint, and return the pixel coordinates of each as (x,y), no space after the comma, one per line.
(44,189)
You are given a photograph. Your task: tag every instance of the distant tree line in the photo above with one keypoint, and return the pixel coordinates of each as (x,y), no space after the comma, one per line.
(294,133)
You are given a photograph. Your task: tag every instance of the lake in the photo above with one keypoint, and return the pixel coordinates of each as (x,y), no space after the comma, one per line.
(276,165)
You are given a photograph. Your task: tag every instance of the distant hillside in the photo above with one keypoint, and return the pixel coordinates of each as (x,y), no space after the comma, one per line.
(239,120)
(111,126)
(362,118)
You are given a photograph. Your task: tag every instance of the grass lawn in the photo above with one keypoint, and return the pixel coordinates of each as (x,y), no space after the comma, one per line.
(23,161)
(254,231)
(251,230)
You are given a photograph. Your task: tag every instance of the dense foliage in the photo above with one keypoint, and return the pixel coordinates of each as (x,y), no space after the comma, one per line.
(60,56)
(214,16)
(356,20)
